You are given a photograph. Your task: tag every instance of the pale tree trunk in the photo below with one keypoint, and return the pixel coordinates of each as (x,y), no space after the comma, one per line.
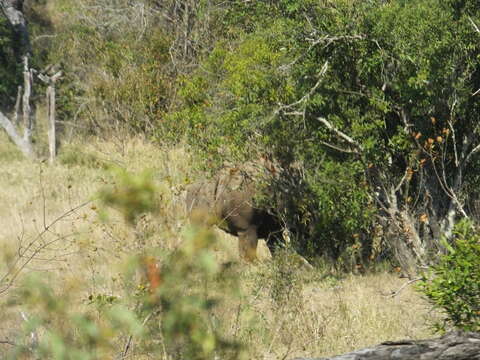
(24,142)
(26,108)
(25,147)
(17,106)
(50,97)
(52,146)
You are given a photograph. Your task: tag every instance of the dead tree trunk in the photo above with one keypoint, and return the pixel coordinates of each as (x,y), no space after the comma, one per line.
(50,98)
(24,142)
(26,108)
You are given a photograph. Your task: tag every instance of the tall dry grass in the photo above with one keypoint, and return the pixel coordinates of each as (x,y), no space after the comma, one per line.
(283,311)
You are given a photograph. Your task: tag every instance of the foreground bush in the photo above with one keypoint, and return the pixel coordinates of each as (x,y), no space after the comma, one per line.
(165,308)
(453,286)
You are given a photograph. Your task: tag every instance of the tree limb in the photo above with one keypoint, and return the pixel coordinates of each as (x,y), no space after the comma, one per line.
(341,134)
(23,145)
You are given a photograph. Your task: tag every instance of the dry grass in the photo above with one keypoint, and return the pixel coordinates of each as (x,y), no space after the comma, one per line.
(283,312)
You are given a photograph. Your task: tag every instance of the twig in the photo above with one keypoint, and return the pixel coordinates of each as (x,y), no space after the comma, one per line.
(395,293)
(12,273)
(128,344)
(338,148)
(340,133)
(474,25)
(473,152)
(305,97)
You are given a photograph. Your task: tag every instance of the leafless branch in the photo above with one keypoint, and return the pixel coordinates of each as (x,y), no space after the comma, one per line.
(395,293)
(341,134)
(329,39)
(17,106)
(26,255)
(338,148)
(473,152)
(128,343)
(402,180)
(474,25)
(307,96)
(452,129)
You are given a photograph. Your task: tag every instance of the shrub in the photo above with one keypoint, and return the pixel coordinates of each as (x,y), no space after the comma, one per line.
(453,285)
(170,313)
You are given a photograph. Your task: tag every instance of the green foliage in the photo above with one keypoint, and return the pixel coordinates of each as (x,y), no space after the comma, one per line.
(453,285)
(386,63)
(117,75)
(192,282)
(133,195)
(10,69)
(249,78)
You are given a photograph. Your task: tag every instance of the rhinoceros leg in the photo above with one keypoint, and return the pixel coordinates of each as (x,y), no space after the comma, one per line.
(247,243)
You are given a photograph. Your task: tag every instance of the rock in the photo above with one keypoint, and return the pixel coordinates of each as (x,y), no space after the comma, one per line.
(455,345)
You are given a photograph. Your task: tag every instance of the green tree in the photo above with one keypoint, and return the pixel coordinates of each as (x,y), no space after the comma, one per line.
(372,98)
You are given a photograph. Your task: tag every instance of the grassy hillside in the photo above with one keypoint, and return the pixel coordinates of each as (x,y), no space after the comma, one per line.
(83,256)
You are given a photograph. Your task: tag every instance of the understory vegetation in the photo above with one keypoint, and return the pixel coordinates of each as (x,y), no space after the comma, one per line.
(102,286)
(362,117)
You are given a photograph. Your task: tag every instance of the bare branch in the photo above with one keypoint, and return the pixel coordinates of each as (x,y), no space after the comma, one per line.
(328,39)
(469,156)
(454,143)
(338,148)
(474,25)
(402,180)
(395,293)
(23,145)
(30,252)
(17,106)
(307,96)
(340,133)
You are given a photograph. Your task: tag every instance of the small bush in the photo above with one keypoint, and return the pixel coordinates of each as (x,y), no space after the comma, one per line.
(453,285)
(133,195)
